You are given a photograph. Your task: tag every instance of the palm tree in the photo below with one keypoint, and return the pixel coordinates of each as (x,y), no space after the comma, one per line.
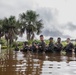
(30,23)
(10,26)
(1,31)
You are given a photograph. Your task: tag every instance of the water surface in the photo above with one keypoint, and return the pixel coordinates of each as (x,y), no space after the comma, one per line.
(19,63)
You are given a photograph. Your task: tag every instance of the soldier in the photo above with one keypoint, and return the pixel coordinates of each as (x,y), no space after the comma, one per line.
(58,45)
(16,48)
(33,47)
(69,47)
(41,45)
(25,47)
(51,45)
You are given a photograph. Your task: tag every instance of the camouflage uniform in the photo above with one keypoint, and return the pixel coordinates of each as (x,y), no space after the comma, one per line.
(25,47)
(51,47)
(33,47)
(58,47)
(41,46)
(16,48)
(69,47)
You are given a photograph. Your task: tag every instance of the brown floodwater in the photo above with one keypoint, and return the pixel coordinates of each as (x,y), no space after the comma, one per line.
(19,63)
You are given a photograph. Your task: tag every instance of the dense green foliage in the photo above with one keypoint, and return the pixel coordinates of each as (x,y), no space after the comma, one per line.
(30,24)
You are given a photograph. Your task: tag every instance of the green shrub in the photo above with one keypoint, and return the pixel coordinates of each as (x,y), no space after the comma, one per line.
(64,44)
(17,43)
(2,42)
(3,47)
(13,44)
(30,42)
(20,43)
(36,41)
(47,42)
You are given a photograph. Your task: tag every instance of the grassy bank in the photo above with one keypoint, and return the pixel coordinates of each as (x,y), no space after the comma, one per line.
(3,42)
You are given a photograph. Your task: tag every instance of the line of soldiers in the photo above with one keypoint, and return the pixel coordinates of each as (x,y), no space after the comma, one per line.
(52,47)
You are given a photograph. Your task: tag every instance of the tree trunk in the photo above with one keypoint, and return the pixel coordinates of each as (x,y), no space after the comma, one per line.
(28,36)
(10,42)
(32,37)
(0,38)
(7,45)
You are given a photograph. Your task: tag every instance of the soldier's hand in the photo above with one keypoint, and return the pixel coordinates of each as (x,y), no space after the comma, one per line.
(37,47)
(72,50)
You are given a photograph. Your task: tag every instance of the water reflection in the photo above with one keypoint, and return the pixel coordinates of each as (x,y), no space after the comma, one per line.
(18,63)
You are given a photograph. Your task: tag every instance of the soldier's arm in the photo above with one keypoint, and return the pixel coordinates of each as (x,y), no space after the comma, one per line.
(72,47)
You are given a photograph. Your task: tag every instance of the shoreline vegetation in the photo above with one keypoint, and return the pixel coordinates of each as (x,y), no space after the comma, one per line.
(3,43)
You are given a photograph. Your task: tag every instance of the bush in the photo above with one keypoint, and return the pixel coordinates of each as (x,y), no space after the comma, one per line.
(64,44)
(30,42)
(47,42)
(2,42)
(17,43)
(13,44)
(20,43)
(36,41)
(3,47)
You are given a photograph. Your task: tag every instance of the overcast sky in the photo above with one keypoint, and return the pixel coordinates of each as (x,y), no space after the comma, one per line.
(59,16)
